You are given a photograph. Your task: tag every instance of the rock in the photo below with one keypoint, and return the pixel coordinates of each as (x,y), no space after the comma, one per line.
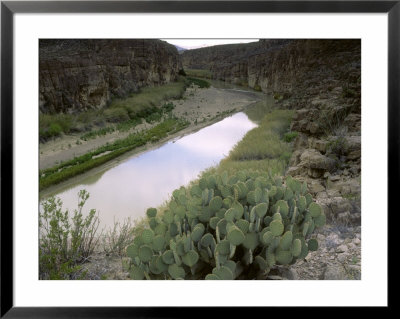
(342,257)
(334,178)
(295,159)
(354,155)
(353,272)
(296,171)
(335,272)
(313,159)
(290,274)
(301,141)
(344,218)
(318,144)
(333,206)
(315,187)
(356,241)
(342,249)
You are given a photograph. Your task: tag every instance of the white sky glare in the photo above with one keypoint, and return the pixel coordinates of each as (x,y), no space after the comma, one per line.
(200,43)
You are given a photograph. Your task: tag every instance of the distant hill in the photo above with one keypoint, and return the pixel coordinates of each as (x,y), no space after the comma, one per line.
(180,49)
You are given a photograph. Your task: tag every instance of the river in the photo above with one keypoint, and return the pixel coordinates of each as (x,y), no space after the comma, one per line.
(148,179)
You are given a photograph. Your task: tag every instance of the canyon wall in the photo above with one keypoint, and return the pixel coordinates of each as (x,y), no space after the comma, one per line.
(83,74)
(299,68)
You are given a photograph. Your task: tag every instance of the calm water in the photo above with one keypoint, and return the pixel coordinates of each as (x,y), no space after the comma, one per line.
(148,179)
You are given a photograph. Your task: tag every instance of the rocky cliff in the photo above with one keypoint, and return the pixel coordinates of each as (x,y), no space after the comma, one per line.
(285,67)
(77,75)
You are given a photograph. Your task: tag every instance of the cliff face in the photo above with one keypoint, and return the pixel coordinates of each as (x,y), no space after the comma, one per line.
(77,75)
(287,67)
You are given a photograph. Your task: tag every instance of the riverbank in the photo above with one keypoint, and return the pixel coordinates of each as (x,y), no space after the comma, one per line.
(198,108)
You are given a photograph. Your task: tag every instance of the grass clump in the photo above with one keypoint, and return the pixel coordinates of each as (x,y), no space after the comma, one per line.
(54,125)
(290,136)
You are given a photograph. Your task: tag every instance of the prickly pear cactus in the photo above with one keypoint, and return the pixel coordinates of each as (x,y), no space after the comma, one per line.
(227,227)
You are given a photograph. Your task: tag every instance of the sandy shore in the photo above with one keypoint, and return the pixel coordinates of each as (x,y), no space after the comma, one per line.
(203,105)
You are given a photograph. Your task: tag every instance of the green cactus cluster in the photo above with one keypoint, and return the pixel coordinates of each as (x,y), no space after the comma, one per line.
(227,227)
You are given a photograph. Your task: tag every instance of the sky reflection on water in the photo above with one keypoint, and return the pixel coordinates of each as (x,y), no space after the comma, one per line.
(148,179)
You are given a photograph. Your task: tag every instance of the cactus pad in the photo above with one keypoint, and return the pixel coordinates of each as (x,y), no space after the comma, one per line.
(284,257)
(286,241)
(215,203)
(147,236)
(151,212)
(276,227)
(158,243)
(223,273)
(212,277)
(312,244)
(315,210)
(320,220)
(176,271)
(296,247)
(145,253)
(136,273)
(283,207)
(235,236)
(191,258)
(251,241)
(168,257)
(132,251)
(223,248)
(261,209)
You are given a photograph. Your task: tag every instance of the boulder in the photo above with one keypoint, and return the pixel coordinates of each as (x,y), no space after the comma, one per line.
(311,158)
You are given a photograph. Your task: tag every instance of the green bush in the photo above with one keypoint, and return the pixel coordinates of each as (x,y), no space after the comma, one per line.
(290,136)
(257,87)
(65,241)
(201,83)
(54,130)
(227,227)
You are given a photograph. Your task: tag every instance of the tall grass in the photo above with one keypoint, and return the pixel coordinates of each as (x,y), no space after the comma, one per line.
(263,147)
(138,104)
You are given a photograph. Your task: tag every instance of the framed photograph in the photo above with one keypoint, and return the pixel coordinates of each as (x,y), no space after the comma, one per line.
(252,141)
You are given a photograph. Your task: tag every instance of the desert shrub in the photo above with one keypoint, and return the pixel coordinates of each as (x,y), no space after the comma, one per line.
(227,227)
(65,241)
(117,238)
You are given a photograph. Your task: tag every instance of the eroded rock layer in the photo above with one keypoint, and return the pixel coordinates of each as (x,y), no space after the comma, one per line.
(77,75)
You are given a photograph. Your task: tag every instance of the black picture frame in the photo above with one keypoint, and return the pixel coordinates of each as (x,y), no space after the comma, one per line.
(9,8)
